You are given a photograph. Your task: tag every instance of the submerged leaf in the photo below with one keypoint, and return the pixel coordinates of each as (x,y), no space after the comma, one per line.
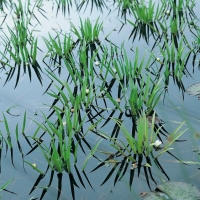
(194,89)
(173,190)
(180,190)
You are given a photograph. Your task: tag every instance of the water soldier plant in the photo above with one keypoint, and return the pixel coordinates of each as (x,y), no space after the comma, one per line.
(21,46)
(99,90)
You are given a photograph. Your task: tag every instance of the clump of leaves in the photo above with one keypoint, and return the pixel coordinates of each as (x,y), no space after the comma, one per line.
(21,46)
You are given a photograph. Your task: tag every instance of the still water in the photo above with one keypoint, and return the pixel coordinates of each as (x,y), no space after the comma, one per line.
(29,96)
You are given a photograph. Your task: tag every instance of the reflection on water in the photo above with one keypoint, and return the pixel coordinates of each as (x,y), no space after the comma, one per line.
(158,43)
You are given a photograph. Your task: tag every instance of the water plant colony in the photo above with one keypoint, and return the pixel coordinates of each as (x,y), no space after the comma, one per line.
(99,89)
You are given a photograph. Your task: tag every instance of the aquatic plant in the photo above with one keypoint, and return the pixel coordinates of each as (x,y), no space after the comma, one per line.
(194,89)
(146,19)
(124,7)
(64,5)
(62,149)
(175,61)
(98,4)
(95,84)
(21,46)
(88,34)
(58,50)
(137,152)
(5,4)
(173,190)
